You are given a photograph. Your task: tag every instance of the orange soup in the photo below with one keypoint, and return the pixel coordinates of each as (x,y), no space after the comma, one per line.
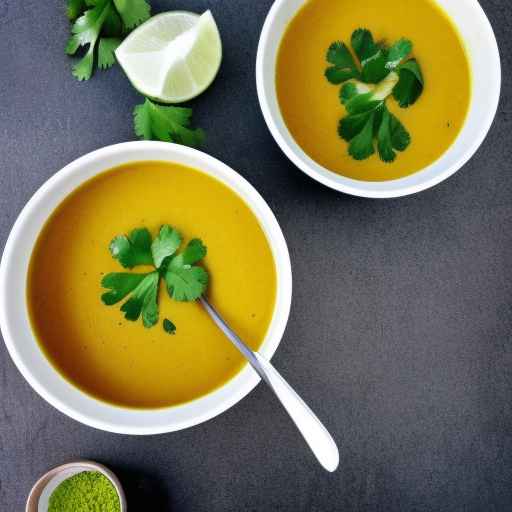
(122,362)
(311,107)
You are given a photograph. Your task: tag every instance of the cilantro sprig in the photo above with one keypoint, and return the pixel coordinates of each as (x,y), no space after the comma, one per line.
(185,281)
(100,25)
(167,123)
(380,72)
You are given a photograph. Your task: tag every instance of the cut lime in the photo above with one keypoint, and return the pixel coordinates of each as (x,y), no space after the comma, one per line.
(172,57)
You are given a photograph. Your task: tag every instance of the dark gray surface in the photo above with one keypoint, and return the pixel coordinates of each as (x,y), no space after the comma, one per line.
(401,326)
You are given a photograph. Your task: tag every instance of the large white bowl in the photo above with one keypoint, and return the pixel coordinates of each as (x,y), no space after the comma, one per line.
(483,52)
(14,321)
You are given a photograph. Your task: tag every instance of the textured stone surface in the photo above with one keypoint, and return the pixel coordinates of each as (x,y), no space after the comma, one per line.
(400,334)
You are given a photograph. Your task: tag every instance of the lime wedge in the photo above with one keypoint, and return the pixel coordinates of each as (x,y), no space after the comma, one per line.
(172,57)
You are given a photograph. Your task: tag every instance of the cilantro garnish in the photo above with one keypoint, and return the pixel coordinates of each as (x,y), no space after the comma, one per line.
(169,124)
(343,66)
(185,281)
(144,299)
(134,249)
(381,71)
(410,85)
(100,26)
(168,326)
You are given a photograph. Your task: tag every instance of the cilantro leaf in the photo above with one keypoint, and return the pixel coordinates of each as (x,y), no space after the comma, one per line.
(165,244)
(362,103)
(373,57)
(113,25)
(350,126)
(133,12)
(169,327)
(169,124)
(384,143)
(398,52)
(185,281)
(106,50)
(86,31)
(132,250)
(120,284)
(400,137)
(343,65)
(411,84)
(194,252)
(144,300)
(101,27)
(348,91)
(359,97)
(74,8)
(361,146)
(374,68)
(363,44)
(360,129)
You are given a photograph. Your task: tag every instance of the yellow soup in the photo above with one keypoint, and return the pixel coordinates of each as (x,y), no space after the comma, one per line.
(310,104)
(119,361)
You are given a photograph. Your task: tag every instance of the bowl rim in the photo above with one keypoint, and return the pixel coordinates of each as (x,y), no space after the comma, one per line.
(45,379)
(422,179)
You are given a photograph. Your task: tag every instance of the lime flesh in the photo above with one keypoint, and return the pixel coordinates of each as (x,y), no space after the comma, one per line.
(173,57)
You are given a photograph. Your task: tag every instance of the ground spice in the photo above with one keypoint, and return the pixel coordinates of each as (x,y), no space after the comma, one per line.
(88,491)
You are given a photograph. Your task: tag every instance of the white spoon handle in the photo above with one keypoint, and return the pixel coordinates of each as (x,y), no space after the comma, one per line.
(311,428)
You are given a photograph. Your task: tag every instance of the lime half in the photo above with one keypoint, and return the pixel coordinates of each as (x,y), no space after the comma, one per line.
(172,57)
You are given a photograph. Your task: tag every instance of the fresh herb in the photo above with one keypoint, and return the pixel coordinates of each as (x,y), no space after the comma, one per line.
(184,280)
(100,26)
(343,66)
(144,299)
(169,124)
(134,249)
(168,326)
(74,8)
(410,85)
(381,71)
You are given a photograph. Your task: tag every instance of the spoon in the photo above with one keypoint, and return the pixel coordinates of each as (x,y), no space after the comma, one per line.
(314,433)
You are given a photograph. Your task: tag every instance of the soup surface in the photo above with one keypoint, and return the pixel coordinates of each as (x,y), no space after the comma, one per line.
(119,361)
(310,104)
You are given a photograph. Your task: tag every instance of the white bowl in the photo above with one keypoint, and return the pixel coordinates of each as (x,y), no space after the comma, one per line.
(14,321)
(482,48)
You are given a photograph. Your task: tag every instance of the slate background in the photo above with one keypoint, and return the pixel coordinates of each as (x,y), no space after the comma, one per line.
(400,334)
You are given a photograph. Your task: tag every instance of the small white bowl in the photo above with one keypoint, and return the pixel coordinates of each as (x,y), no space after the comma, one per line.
(483,52)
(14,320)
(39,496)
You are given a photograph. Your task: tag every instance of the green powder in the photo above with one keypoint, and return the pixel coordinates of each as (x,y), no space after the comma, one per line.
(89,491)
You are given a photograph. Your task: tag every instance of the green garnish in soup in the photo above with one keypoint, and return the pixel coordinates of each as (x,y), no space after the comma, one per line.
(381,71)
(185,281)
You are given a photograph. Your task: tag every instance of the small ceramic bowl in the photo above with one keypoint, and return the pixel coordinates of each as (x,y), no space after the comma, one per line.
(39,496)
(14,320)
(483,53)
